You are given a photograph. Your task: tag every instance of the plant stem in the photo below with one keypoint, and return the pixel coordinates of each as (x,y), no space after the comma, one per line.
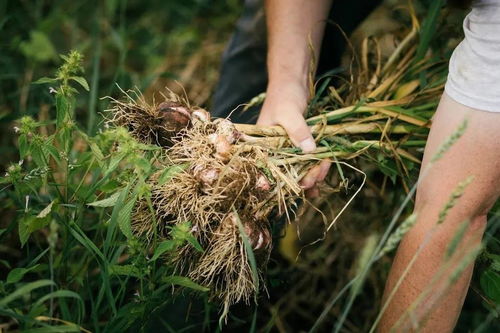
(96,35)
(337,129)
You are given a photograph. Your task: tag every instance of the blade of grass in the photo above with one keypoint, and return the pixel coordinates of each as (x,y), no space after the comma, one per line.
(96,61)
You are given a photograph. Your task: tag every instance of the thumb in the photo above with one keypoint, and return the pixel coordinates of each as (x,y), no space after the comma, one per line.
(299,132)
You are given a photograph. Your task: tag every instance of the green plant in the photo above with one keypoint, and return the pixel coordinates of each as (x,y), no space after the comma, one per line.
(81,264)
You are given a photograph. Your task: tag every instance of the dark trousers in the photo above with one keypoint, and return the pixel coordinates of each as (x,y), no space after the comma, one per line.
(243,73)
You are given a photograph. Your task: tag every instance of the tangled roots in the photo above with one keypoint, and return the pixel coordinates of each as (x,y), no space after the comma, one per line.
(215,181)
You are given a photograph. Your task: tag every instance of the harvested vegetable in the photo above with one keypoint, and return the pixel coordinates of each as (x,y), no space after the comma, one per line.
(231,181)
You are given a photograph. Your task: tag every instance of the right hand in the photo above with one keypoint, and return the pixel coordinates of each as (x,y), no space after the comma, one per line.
(285,106)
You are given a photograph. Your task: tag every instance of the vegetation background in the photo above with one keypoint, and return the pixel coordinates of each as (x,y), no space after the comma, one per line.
(63,260)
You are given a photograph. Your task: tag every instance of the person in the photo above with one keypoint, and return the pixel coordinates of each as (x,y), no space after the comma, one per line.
(472,92)
(243,73)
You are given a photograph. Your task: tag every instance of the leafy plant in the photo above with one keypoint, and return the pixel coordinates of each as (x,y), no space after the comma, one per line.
(81,262)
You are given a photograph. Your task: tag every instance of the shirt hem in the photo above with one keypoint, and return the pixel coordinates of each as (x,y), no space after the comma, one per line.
(471,102)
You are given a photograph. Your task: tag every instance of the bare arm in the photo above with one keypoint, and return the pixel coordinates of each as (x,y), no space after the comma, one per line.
(293,26)
(441,300)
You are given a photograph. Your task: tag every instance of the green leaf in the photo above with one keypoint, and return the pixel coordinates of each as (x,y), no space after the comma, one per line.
(193,241)
(110,186)
(165,246)
(63,108)
(64,134)
(495,266)
(493,257)
(428,29)
(184,282)
(81,81)
(495,261)
(18,273)
(61,294)
(52,150)
(170,172)
(124,217)
(388,167)
(44,80)
(127,270)
(148,147)
(23,146)
(113,163)
(26,289)
(142,164)
(182,232)
(37,155)
(5,263)
(490,283)
(28,225)
(115,215)
(108,202)
(93,146)
(39,48)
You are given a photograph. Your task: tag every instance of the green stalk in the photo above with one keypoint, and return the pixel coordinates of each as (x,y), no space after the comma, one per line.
(96,61)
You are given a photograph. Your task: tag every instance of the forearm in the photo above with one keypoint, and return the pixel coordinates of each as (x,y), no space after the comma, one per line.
(430,275)
(294,26)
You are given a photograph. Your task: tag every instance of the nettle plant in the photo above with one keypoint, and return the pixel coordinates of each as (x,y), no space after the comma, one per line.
(74,195)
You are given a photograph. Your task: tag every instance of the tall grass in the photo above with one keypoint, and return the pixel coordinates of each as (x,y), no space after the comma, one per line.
(83,199)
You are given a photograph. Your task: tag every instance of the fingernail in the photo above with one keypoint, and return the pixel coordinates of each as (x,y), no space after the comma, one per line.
(322,176)
(307,145)
(306,184)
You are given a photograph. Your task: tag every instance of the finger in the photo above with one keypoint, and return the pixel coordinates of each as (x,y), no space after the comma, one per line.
(316,174)
(265,120)
(298,131)
(309,180)
(324,167)
(312,192)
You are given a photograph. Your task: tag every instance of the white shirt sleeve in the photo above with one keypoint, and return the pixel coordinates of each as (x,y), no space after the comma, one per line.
(474,75)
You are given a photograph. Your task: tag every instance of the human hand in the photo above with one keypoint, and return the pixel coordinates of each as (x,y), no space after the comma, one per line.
(284,106)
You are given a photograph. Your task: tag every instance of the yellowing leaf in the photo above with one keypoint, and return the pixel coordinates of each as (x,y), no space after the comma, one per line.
(406,89)
(46,210)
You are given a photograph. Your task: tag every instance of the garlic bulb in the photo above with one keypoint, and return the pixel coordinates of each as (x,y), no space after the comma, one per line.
(208,176)
(226,128)
(200,116)
(222,149)
(262,183)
